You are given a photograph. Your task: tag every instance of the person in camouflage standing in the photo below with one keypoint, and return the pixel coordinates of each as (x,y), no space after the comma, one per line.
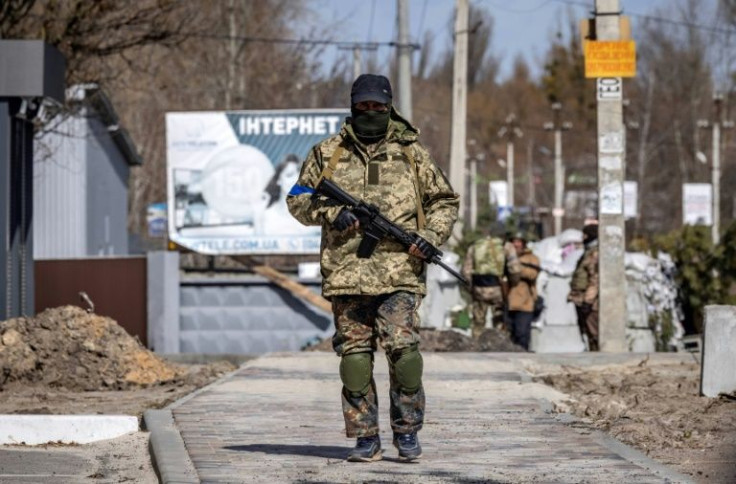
(487,263)
(584,287)
(378,158)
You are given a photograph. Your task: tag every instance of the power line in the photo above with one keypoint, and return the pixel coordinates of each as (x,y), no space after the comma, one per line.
(679,23)
(654,18)
(520,10)
(271,40)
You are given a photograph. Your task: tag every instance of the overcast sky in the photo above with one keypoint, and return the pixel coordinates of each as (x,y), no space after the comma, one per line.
(522,27)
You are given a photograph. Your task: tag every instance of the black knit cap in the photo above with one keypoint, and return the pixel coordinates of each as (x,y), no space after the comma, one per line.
(371,87)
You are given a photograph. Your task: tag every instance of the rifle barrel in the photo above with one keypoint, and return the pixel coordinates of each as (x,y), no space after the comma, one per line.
(451,271)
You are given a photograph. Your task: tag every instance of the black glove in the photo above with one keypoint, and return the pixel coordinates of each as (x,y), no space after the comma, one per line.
(345,219)
(586,308)
(423,246)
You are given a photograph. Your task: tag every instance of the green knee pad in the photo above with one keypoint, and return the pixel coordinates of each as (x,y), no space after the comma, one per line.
(356,370)
(408,365)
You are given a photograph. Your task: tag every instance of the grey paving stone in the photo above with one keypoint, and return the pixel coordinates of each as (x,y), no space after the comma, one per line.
(278,419)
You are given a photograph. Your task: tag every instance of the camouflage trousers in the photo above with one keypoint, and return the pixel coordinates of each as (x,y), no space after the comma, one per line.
(484,299)
(588,324)
(361,321)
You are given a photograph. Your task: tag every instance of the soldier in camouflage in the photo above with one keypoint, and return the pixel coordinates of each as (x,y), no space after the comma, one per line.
(490,264)
(376,157)
(584,287)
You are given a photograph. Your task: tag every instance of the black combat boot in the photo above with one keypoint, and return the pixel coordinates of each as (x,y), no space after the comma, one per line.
(367,449)
(408,445)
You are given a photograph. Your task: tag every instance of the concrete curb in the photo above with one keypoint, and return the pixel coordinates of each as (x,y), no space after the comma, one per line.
(66,429)
(625,451)
(168,452)
(636,457)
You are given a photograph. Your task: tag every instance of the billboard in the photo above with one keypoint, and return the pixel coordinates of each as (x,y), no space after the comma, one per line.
(228,174)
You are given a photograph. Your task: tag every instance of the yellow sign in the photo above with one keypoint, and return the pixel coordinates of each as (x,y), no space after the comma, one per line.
(616,58)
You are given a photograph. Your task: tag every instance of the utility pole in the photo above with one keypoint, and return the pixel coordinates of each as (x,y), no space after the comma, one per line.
(404,53)
(558,127)
(473,159)
(357,50)
(510,131)
(473,193)
(357,62)
(718,123)
(459,109)
(531,200)
(233,52)
(611,169)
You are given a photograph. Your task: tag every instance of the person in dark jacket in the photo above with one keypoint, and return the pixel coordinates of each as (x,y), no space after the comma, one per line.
(523,293)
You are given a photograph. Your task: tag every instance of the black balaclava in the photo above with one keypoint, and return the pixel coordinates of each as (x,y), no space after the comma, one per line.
(590,233)
(370,126)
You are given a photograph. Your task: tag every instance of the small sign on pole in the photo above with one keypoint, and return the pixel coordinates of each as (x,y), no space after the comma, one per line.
(631,199)
(697,203)
(611,58)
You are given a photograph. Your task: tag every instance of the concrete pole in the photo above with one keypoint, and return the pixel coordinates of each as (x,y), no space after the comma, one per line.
(717,125)
(611,169)
(558,126)
(510,172)
(510,131)
(716,172)
(559,183)
(532,196)
(459,110)
(404,52)
(473,193)
(233,53)
(357,69)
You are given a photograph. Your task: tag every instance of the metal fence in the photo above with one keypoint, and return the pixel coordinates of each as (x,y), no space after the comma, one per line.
(116,286)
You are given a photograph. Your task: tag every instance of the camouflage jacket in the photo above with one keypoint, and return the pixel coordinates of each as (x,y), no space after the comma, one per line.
(379,174)
(584,284)
(511,265)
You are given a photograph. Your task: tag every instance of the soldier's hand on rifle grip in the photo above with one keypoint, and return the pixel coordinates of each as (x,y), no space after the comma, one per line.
(346,220)
(420,248)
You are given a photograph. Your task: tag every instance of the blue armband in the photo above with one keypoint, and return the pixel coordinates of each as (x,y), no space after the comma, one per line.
(299,190)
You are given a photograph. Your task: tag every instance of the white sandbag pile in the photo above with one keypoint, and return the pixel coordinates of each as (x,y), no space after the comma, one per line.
(653,314)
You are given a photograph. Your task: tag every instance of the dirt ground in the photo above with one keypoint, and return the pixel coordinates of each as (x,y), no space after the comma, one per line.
(655,407)
(67,361)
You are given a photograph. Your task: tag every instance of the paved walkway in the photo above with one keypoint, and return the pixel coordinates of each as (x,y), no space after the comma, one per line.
(278,419)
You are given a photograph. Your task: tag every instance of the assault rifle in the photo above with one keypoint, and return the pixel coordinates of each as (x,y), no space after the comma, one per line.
(375,226)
